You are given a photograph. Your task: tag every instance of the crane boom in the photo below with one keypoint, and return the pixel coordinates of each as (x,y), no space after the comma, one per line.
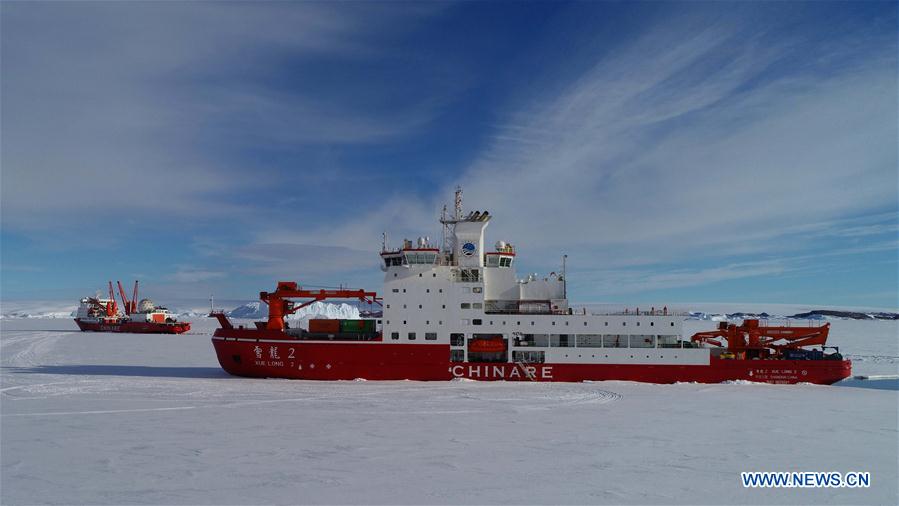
(134,298)
(279,307)
(125,302)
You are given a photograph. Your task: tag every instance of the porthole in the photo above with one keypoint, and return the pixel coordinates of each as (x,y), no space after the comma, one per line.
(652,324)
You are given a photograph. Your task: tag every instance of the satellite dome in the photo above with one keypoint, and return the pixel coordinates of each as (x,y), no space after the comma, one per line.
(145,306)
(500,245)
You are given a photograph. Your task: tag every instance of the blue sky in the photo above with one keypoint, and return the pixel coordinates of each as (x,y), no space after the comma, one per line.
(733,152)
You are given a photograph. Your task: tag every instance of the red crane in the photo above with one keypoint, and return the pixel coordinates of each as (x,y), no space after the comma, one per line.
(111,307)
(130,304)
(279,307)
(755,341)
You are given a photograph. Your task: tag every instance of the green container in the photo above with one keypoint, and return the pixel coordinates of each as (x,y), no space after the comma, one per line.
(357,326)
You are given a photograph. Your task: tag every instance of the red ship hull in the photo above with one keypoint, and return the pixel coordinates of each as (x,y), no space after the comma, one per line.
(134,327)
(251,353)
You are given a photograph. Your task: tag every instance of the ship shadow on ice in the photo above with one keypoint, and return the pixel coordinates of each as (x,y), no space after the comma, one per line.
(122,370)
(876,384)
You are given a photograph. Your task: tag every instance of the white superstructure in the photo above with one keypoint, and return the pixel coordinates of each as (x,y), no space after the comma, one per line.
(464,292)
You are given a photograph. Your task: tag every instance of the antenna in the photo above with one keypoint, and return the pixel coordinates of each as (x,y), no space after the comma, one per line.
(384,241)
(443,245)
(458,203)
(211,303)
(564,278)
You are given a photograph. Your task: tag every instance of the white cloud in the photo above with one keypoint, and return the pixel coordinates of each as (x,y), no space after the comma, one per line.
(134,110)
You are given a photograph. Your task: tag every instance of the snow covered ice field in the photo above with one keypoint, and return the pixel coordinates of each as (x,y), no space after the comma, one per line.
(94,418)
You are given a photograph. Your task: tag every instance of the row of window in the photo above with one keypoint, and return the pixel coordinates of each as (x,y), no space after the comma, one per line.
(479,321)
(462,275)
(465,289)
(429,336)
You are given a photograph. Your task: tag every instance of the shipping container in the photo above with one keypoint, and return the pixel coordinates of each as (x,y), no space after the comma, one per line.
(324,326)
(357,325)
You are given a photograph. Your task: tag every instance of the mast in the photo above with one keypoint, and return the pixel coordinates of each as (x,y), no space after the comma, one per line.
(564,278)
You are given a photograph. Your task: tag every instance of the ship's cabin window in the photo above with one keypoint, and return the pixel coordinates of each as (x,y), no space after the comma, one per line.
(457,355)
(541,340)
(393,261)
(476,321)
(420,257)
(589,341)
(561,340)
(498,261)
(529,357)
(411,336)
(394,335)
(476,289)
(477,305)
(469,275)
(457,339)
(642,341)
(430,336)
(614,341)
(465,305)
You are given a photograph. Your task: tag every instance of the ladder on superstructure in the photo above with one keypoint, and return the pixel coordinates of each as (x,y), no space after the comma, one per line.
(527,372)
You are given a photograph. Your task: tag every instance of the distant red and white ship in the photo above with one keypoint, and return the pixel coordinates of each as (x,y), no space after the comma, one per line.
(458,311)
(98,314)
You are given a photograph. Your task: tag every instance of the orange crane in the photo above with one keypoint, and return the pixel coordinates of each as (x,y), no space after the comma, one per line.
(750,340)
(279,307)
(111,308)
(130,304)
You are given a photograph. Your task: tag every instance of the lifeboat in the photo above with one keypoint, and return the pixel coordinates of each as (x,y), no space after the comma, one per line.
(492,345)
